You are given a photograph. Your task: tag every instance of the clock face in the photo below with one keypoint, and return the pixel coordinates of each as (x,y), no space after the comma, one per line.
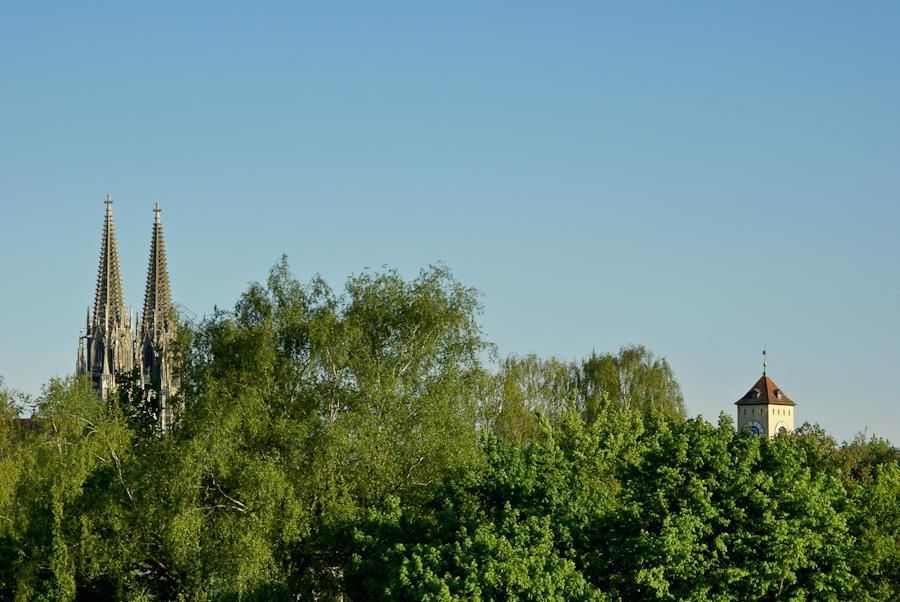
(755,428)
(780,426)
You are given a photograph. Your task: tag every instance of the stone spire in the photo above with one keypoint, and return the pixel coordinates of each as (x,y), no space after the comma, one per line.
(157,300)
(110,342)
(157,330)
(109,304)
(80,362)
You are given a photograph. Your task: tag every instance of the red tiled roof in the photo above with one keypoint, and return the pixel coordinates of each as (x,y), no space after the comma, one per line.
(766,392)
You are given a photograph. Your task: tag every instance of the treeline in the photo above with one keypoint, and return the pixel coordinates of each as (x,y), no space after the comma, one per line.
(369,446)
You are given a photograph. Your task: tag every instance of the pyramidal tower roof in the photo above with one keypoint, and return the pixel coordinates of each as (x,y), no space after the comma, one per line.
(109,303)
(765,391)
(157,299)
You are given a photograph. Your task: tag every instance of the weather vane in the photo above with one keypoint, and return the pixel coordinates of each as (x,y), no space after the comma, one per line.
(764,360)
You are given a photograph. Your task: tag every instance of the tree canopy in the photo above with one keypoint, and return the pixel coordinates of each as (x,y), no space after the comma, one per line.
(364,445)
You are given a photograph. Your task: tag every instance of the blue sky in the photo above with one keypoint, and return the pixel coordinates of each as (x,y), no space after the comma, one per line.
(701,178)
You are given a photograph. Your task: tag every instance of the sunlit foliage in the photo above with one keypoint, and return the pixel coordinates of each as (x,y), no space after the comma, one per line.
(363,445)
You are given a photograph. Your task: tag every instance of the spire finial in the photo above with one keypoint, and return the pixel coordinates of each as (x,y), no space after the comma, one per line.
(108,202)
(764,361)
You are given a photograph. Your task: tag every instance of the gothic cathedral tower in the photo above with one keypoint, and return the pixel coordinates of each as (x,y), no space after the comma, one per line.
(157,331)
(109,340)
(113,345)
(765,409)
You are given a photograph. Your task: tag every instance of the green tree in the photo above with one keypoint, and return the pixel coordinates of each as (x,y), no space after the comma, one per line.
(514,528)
(522,389)
(634,379)
(12,403)
(74,497)
(874,518)
(708,514)
(305,409)
(12,435)
(857,459)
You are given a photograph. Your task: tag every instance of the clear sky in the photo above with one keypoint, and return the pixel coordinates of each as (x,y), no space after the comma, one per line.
(701,178)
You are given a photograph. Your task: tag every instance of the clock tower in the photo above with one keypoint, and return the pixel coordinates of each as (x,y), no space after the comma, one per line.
(765,409)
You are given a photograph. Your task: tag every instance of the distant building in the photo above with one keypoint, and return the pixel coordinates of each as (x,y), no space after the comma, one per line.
(765,409)
(118,341)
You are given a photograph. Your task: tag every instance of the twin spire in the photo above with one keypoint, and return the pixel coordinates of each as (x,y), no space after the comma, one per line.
(113,344)
(109,304)
(157,300)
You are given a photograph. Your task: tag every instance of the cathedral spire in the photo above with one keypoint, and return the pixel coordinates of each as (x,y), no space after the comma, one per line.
(80,362)
(109,304)
(109,340)
(157,331)
(157,299)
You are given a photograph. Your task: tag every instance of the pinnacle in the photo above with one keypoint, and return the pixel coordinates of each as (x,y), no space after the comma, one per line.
(157,299)
(109,304)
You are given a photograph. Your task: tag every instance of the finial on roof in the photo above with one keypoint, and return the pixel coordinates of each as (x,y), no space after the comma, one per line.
(108,201)
(764,361)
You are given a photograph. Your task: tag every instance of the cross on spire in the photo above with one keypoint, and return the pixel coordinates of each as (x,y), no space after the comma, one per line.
(157,302)
(109,342)
(157,331)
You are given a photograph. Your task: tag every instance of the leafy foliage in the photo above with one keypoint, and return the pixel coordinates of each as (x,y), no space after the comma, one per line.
(355,446)
(633,379)
(709,514)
